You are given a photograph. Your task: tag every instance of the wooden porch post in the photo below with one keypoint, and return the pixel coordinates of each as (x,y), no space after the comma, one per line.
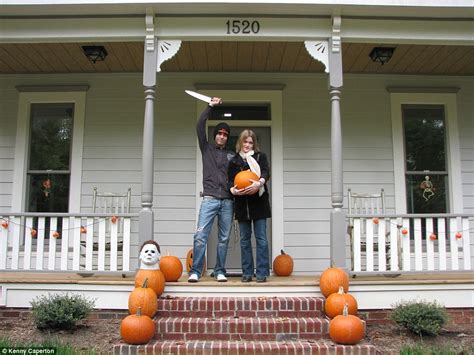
(149,83)
(338,220)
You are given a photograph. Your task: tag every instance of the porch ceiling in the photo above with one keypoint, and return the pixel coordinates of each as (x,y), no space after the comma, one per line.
(235,57)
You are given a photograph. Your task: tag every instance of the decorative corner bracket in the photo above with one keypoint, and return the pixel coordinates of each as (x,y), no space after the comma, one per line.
(150,31)
(319,51)
(336,34)
(166,50)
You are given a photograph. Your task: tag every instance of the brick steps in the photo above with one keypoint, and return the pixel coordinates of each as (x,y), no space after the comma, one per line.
(242,325)
(243,347)
(270,329)
(216,307)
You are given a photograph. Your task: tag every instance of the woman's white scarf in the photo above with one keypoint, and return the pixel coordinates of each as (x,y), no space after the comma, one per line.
(254,167)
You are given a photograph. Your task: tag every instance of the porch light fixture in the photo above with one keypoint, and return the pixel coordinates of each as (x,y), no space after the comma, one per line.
(95,53)
(381,54)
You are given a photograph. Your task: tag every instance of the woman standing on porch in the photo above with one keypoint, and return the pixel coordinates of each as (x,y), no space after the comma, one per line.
(252,205)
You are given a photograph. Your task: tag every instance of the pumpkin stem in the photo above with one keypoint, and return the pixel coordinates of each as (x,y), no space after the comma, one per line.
(139,311)
(345,312)
(282,252)
(341,290)
(145,283)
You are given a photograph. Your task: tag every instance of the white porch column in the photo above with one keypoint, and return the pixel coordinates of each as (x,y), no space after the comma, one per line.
(338,220)
(149,83)
(329,54)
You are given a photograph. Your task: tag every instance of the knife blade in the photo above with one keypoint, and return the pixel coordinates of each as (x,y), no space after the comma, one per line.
(199,96)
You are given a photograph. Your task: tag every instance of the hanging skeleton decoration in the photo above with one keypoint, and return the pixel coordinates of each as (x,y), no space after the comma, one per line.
(427,187)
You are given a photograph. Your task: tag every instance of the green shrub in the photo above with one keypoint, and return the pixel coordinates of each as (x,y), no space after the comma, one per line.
(60,311)
(420,317)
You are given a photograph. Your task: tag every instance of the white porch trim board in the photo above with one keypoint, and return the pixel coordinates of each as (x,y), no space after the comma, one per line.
(369,296)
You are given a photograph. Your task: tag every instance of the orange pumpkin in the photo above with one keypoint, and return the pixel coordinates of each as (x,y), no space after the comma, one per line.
(143,298)
(137,329)
(346,328)
(171,267)
(189,262)
(331,279)
(156,280)
(241,180)
(334,304)
(283,264)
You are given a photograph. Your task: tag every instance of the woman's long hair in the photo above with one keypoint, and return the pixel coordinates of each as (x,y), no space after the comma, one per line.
(243,136)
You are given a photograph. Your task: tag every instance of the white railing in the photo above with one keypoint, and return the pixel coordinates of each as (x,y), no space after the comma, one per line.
(65,242)
(437,242)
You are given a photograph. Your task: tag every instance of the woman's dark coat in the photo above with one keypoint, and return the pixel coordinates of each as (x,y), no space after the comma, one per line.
(248,207)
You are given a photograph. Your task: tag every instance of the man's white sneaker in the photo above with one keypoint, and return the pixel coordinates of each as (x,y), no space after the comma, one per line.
(193,278)
(221,278)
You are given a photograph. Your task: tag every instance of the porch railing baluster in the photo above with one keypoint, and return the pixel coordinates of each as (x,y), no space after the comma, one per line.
(418,245)
(442,243)
(65,244)
(28,241)
(453,243)
(466,244)
(52,244)
(430,262)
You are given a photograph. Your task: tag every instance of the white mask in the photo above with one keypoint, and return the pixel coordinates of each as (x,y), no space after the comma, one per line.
(150,257)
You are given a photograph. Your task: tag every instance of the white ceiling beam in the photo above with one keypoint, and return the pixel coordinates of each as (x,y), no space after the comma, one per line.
(225,29)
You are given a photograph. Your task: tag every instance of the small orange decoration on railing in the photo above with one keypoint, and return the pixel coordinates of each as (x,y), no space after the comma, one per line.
(5,224)
(375,220)
(113,219)
(34,233)
(56,234)
(433,236)
(458,235)
(83,230)
(404,231)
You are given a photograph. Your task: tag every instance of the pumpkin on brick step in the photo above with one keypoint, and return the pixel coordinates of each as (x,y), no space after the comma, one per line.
(283,264)
(171,267)
(242,179)
(143,298)
(331,279)
(149,268)
(335,303)
(137,329)
(346,328)
(189,262)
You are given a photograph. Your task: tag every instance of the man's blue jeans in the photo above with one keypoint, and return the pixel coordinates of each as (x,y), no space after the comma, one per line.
(210,208)
(262,259)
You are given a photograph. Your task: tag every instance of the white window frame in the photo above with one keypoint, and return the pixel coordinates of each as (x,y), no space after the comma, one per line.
(275,99)
(26,99)
(448,100)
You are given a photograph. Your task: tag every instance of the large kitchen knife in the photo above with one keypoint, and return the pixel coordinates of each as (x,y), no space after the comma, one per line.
(199,96)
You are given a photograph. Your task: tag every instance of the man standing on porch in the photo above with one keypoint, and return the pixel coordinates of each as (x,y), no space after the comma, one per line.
(217,200)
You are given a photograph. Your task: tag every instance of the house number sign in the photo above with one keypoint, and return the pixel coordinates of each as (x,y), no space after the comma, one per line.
(244,27)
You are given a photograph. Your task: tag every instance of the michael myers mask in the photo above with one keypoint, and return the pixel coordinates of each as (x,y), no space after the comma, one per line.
(149,257)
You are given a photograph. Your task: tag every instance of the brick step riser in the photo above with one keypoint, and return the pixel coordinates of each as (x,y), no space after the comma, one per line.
(215,304)
(257,348)
(240,313)
(239,328)
(240,337)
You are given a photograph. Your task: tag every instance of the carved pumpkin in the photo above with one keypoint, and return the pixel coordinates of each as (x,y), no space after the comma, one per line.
(346,328)
(137,329)
(189,262)
(335,303)
(241,180)
(143,298)
(171,267)
(283,264)
(156,280)
(331,279)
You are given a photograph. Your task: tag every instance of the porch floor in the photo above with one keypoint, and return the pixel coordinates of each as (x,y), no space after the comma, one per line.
(234,281)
